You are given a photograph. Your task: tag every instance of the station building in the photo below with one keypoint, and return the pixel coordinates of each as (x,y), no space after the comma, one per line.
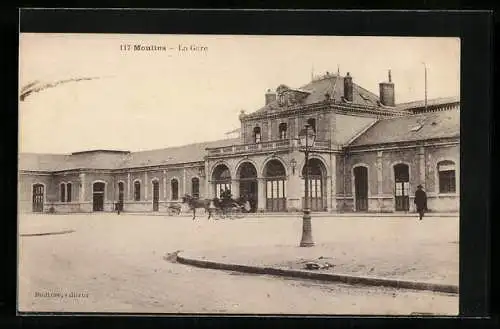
(369,156)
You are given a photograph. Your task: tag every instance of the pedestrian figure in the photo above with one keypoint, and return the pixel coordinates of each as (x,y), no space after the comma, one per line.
(420,201)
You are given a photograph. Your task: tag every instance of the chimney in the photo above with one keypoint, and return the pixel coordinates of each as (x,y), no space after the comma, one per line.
(387,97)
(270,96)
(348,87)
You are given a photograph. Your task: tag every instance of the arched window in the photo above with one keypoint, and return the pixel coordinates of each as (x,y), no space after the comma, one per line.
(446,172)
(137,191)
(62,189)
(68,192)
(256,135)
(282,129)
(312,122)
(174,186)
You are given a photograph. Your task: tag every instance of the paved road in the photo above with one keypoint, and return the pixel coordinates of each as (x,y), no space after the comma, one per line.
(117,263)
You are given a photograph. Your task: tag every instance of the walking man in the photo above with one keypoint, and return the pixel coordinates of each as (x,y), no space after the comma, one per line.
(420,201)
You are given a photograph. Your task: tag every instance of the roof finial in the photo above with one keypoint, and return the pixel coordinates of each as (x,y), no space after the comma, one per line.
(338,70)
(390,78)
(312,72)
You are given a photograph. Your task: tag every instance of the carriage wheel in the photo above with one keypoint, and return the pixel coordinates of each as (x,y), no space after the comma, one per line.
(238,213)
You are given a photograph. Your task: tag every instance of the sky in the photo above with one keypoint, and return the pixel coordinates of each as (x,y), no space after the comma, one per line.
(153,99)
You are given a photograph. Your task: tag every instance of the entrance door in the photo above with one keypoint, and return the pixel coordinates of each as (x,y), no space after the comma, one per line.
(402,187)
(276,200)
(120,195)
(275,186)
(316,199)
(361,188)
(156,195)
(98,196)
(38,192)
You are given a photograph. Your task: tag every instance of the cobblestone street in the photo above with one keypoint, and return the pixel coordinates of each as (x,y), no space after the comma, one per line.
(116,263)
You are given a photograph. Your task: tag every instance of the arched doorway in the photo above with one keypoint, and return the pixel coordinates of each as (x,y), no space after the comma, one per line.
(317,177)
(402,187)
(121,189)
(156,195)
(38,196)
(98,196)
(361,188)
(221,179)
(275,176)
(247,175)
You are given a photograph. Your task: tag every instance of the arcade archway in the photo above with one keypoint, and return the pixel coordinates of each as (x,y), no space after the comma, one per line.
(275,176)
(247,175)
(317,184)
(221,179)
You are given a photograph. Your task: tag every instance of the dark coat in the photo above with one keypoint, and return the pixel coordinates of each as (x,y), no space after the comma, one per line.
(420,200)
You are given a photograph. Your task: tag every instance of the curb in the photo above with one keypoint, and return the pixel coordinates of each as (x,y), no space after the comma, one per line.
(348,279)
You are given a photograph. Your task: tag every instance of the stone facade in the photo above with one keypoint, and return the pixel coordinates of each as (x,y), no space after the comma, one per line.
(350,171)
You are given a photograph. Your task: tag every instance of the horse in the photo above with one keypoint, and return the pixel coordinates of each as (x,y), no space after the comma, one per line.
(195,203)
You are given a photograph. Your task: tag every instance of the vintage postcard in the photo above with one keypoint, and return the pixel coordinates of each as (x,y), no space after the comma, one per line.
(231,174)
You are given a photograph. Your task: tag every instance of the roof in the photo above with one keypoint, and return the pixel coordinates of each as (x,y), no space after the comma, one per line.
(440,124)
(334,86)
(41,162)
(430,102)
(105,159)
(172,155)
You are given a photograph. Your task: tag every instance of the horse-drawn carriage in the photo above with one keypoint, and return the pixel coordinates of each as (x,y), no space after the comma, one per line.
(216,208)
(174,209)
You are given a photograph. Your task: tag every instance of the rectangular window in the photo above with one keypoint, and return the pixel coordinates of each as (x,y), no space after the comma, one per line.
(219,188)
(447,181)
(257,138)
(137,191)
(406,188)
(399,189)
(175,190)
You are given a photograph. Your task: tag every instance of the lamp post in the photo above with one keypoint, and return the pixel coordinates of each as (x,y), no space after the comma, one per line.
(307,138)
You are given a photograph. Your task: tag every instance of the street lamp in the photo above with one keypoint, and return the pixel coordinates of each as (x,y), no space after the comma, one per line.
(307,137)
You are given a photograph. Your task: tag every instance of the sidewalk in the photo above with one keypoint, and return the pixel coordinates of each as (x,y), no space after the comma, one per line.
(428,267)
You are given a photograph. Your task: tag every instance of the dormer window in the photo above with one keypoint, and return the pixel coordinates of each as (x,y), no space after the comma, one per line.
(283,130)
(281,99)
(281,90)
(256,135)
